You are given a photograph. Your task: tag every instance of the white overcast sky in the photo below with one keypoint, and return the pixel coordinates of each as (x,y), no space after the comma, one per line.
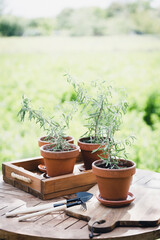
(49,8)
(44,8)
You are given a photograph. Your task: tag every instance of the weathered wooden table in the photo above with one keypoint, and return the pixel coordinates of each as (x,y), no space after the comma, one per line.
(60,226)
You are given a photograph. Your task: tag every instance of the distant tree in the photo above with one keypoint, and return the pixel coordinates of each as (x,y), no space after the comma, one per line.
(152,108)
(83,21)
(145,19)
(99,12)
(114,9)
(136,17)
(40,26)
(136,6)
(64,19)
(11,26)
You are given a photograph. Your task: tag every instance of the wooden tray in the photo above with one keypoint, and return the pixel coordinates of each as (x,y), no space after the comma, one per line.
(33,181)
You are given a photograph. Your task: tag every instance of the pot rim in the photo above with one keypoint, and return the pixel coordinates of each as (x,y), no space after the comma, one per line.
(41,138)
(81,143)
(72,145)
(114,170)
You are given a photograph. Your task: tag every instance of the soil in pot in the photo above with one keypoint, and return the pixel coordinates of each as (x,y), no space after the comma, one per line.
(47,139)
(86,150)
(59,162)
(114,184)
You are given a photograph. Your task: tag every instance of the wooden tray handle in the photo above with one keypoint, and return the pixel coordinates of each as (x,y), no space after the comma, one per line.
(20,177)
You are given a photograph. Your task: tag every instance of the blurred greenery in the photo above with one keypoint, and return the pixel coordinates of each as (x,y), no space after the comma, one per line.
(124,17)
(35,66)
(10,26)
(141,17)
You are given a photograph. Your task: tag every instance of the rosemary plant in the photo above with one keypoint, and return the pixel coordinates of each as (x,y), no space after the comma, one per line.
(55,130)
(104,110)
(103,113)
(115,150)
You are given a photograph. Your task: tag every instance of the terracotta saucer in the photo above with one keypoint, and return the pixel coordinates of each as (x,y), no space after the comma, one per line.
(42,168)
(81,168)
(45,175)
(121,203)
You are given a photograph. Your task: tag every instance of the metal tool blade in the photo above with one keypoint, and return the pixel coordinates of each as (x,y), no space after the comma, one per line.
(84,196)
(81,199)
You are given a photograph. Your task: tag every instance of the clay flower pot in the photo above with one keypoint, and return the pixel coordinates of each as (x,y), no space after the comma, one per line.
(114,184)
(43,140)
(61,162)
(86,151)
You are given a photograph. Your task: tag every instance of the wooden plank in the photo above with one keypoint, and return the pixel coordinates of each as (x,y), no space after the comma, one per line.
(29,164)
(50,219)
(69,221)
(66,192)
(11,207)
(78,224)
(142,176)
(68,181)
(26,163)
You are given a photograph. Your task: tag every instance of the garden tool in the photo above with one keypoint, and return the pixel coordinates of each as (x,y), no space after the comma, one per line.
(81,199)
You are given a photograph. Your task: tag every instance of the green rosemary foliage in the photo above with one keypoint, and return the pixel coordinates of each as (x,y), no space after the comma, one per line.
(104,110)
(115,150)
(54,129)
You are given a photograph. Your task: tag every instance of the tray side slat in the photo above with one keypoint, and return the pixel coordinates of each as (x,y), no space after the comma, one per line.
(35,179)
(69,181)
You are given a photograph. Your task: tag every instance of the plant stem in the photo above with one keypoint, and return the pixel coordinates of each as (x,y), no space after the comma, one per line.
(97,120)
(38,116)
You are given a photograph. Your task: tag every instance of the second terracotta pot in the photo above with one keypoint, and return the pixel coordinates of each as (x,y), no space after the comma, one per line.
(114,184)
(59,163)
(44,140)
(86,151)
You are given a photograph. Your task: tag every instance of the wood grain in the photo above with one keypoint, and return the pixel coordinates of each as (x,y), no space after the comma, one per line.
(46,188)
(60,226)
(143,212)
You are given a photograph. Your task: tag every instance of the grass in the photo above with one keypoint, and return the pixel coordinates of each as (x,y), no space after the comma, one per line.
(36,67)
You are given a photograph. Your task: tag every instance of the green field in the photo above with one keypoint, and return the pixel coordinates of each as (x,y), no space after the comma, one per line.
(36,67)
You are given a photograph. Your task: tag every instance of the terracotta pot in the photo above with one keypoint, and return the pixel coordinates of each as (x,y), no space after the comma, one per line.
(114,184)
(86,151)
(42,140)
(59,163)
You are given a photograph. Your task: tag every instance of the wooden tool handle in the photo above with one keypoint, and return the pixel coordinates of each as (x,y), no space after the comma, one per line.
(60,208)
(34,209)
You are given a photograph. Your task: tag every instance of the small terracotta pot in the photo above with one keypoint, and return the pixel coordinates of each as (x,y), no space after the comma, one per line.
(42,140)
(59,163)
(86,151)
(114,184)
